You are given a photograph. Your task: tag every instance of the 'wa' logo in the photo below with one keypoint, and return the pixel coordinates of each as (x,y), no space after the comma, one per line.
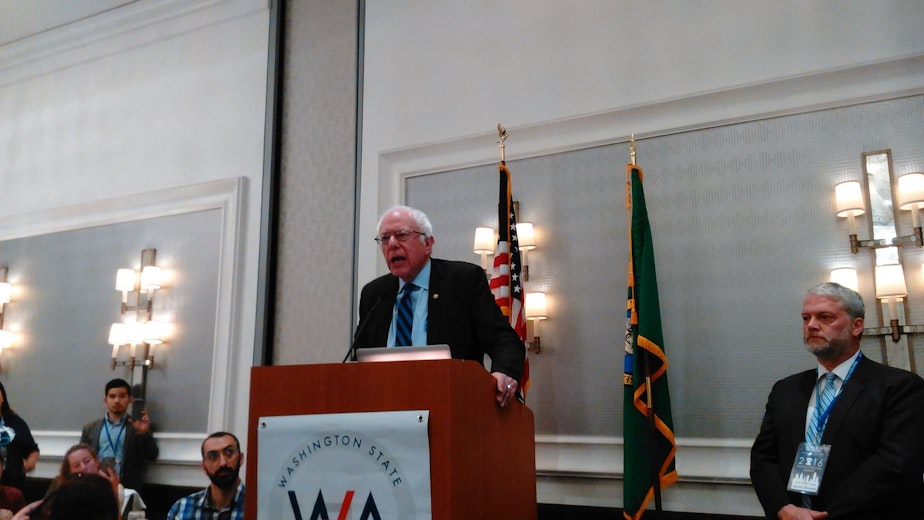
(320,508)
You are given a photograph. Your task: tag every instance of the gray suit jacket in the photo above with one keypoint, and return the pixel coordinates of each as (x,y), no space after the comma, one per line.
(138,451)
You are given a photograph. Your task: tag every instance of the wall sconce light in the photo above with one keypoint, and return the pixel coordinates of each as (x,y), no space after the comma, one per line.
(911,198)
(527,241)
(143,332)
(848,199)
(875,194)
(891,289)
(486,241)
(850,203)
(484,245)
(6,293)
(536,311)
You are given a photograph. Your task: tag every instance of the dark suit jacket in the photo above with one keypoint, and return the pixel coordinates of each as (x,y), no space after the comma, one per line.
(461,313)
(876,434)
(138,450)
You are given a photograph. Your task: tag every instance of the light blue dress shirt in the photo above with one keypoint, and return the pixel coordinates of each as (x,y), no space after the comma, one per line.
(421,296)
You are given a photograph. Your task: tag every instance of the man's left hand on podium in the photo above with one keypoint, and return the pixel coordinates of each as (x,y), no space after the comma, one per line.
(506,388)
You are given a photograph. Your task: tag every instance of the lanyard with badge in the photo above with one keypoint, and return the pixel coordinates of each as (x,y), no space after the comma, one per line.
(812,457)
(116,461)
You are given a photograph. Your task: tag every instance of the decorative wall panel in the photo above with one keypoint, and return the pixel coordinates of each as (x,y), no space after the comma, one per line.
(743,223)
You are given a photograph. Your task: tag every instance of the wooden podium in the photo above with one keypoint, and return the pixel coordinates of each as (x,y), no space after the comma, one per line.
(482,457)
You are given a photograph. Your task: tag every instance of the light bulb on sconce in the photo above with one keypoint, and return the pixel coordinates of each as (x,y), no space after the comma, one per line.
(526,239)
(846,276)
(911,198)
(484,245)
(848,198)
(536,310)
(6,295)
(891,288)
(150,278)
(125,282)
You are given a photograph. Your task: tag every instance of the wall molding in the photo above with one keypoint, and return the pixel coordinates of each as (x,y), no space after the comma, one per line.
(698,460)
(113,32)
(821,91)
(585,470)
(179,459)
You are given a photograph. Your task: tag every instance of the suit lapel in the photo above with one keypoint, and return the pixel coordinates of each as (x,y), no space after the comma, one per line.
(434,303)
(850,391)
(804,393)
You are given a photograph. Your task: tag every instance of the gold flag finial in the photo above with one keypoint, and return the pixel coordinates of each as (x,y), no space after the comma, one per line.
(501,137)
(632,150)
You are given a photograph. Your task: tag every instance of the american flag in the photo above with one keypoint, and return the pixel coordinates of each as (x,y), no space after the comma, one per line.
(505,280)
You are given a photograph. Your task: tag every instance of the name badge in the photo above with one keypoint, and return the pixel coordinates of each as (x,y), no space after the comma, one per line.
(808,468)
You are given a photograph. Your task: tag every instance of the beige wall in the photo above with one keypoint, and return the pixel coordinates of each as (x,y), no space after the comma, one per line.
(317,189)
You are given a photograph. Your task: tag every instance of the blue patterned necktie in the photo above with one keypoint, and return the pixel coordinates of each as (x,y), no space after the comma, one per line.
(814,430)
(404,321)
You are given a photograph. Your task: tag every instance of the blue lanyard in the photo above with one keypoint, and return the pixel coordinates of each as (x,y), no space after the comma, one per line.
(823,416)
(112,445)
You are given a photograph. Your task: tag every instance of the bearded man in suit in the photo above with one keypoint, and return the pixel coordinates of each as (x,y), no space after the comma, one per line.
(871,433)
(452,303)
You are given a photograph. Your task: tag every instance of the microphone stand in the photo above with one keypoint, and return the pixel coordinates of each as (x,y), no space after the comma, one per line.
(351,354)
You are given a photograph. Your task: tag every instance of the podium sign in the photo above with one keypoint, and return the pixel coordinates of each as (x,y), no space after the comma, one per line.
(349,465)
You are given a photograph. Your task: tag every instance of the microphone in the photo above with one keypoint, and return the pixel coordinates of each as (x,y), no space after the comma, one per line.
(362,325)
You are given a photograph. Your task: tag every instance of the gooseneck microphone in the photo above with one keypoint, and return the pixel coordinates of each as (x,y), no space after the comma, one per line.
(351,354)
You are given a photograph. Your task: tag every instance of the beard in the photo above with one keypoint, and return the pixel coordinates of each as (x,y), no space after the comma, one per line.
(225,477)
(831,348)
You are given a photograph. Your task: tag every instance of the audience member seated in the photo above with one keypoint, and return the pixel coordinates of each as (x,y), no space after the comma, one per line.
(10,498)
(224,498)
(80,496)
(82,459)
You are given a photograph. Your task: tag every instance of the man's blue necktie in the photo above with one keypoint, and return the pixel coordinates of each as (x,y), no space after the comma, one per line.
(814,430)
(404,321)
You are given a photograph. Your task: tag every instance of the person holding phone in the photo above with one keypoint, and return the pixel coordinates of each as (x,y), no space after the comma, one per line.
(124,443)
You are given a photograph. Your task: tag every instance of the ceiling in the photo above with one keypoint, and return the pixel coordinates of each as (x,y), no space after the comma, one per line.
(23,18)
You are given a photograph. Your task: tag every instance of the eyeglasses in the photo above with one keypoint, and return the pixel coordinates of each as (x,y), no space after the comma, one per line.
(228,452)
(401,236)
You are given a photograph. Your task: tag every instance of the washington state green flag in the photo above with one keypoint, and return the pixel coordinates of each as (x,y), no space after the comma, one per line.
(648,430)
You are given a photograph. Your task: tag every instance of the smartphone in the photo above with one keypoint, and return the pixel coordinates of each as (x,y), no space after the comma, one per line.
(137,408)
(106,463)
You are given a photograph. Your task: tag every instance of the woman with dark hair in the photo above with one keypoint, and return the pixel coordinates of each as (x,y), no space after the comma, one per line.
(82,496)
(17,447)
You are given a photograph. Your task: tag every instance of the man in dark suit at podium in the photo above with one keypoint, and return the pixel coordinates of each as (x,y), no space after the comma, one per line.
(862,420)
(447,302)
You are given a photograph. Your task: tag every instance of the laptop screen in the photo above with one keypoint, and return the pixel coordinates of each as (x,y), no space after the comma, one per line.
(403,353)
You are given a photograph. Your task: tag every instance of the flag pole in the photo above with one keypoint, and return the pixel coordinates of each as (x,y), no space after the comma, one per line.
(502,136)
(633,154)
(632,150)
